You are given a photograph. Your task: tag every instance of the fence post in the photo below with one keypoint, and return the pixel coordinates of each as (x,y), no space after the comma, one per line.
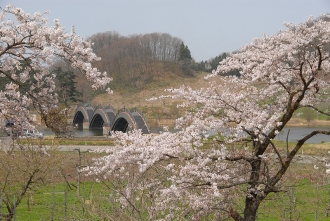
(317,203)
(78,166)
(53,204)
(14,208)
(66,202)
(292,205)
(1,206)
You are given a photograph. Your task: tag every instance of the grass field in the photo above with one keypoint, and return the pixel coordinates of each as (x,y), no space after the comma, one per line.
(59,202)
(305,199)
(98,141)
(305,193)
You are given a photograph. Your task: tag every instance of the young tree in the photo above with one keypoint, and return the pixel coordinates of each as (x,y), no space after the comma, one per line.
(278,75)
(28,38)
(309,115)
(21,172)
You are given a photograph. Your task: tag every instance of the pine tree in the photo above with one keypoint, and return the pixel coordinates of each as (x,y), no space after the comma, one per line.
(66,87)
(185,60)
(184,52)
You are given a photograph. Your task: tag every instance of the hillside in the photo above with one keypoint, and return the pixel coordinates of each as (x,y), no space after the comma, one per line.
(164,112)
(130,99)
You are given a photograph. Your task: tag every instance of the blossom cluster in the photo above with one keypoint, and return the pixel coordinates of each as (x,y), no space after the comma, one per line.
(28,47)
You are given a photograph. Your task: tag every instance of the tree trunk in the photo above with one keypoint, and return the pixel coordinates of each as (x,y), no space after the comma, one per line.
(252,199)
(251,208)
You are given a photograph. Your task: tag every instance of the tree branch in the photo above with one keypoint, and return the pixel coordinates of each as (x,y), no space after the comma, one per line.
(318,110)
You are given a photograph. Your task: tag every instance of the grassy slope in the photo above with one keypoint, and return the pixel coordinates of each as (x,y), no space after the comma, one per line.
(122,98)
(166,108)
(161,112)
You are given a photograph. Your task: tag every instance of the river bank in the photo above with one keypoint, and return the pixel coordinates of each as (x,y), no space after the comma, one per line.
(296,122)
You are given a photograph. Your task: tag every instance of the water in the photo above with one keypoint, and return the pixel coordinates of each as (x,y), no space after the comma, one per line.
(79,132)
(75,132)
(295,133)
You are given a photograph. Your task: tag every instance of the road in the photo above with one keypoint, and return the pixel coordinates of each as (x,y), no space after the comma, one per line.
(7,141)
(82,148)
(299,158)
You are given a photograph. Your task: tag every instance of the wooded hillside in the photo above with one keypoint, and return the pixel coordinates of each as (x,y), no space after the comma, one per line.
(137,60)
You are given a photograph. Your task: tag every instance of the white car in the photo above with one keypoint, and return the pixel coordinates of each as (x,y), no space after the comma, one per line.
(32,134)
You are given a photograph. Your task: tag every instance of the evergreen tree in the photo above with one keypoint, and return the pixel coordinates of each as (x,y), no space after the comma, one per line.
(184,52)
(185,60)
(66,87)
(215,61)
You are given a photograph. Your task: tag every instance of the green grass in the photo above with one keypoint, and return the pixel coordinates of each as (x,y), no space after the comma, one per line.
(60,141)
(303,201)
(305,195)
(300,201)
(307,148)
(51,202)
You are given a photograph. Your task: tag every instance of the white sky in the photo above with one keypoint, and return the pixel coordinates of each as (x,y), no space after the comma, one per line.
(207,27)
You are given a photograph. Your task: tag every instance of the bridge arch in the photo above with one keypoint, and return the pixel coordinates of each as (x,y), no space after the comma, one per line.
(140,121)
(111,112)
(102,117)
(124,121)
(99,118)
(87,117)
(83,115)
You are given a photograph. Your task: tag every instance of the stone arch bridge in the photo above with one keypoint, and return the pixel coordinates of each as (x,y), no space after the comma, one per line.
(108,119)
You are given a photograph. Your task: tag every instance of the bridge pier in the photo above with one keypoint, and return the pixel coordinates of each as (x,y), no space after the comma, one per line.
(106,130)
(85,125)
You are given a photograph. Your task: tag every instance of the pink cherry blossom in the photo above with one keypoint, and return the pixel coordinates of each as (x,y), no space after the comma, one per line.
(29,38)
(191,173)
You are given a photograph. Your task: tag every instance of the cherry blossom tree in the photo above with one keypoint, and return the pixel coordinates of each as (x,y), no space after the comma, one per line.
(28,39)
(192,174)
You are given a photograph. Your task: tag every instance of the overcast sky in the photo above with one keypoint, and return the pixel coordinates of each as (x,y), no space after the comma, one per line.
(207,27)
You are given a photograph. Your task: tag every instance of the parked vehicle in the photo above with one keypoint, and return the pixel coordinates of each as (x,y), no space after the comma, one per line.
(32,134)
